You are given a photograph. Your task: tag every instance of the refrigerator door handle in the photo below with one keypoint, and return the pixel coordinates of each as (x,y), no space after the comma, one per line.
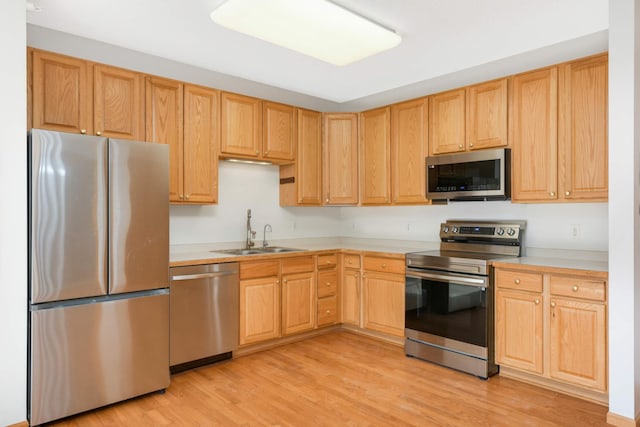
(202,275)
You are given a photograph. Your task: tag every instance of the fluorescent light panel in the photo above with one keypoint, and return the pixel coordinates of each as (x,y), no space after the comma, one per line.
(317,28)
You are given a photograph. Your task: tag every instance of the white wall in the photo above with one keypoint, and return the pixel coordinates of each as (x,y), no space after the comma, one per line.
(13,215)
(256,187)
(624,198)
(548,225)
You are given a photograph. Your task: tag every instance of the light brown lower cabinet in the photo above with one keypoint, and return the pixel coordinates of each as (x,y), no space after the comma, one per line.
(259,309)
(553,323)
(383,302)
(351,277)
(298,302)
(327,289)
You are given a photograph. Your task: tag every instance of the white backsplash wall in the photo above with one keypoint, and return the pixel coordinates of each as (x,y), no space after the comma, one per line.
(548,225)
(249,186)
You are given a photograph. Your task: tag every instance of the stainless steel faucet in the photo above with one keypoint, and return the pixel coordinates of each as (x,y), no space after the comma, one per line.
(267,227)
(251,234)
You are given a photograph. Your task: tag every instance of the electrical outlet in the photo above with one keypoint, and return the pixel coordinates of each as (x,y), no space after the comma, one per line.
(575,231)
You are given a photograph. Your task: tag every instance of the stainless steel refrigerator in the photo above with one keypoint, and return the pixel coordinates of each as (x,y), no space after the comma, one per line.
(99,272)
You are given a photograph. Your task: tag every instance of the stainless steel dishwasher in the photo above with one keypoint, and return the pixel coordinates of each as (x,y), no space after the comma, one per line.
(204,314)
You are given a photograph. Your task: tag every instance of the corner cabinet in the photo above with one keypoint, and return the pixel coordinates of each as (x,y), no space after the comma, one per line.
(551,328)
(409,150)
(301,182)
(375,156)
(340,154)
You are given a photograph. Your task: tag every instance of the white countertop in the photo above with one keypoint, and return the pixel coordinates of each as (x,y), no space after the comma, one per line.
(203,253)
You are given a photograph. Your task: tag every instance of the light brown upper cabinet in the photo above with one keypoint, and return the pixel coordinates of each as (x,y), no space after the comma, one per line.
(472,118)
(559,133)
(375,156)
(241,125)
(582,129)
(487,115)
(301,182)
(340,154)
(447,122)
(73,95)
(533,128)
(186,117)
(408,151)
(279,132)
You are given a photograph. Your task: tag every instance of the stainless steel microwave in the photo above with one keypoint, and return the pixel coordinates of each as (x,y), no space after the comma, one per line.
(477,175)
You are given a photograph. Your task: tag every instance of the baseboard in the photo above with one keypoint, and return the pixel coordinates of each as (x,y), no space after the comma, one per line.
(399,341)
(20,424)
(261,346)
(620,421)
(548,383)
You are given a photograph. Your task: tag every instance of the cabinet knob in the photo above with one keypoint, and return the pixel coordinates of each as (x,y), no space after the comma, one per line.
(553,304)
(83,131)
(328,311)
(384,265)
(460,146)
(537,301)
(350,262)
(328,283)
(575,288)
(567,193)
(552,194)
(257,151)
(277,282)
(182,197)
(471,144)
(98,133)
(517,281)
(188,196)
(284,281)
(326,200)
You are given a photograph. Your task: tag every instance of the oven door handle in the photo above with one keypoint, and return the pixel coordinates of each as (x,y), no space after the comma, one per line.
(466,280)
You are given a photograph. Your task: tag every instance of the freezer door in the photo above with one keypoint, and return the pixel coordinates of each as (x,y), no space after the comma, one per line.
(91,355)
(138,216)
(68,222)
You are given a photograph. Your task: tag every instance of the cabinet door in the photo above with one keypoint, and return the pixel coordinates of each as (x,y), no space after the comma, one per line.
(259,309)
(383,296)
(578,343)
(200,154)
(447,122)
(118,104)
(279,131)
(534,136)
(340,150)
(582,132)
(164,105)
(309,159)
(351,297)
(487,115)
(519,331)
(298,303)
(375,156)
(408,151)
(62,93)
(241,124)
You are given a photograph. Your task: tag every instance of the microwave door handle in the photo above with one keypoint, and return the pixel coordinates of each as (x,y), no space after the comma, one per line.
(466,280)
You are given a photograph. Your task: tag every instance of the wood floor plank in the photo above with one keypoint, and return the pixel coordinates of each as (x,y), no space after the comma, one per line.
(342,379)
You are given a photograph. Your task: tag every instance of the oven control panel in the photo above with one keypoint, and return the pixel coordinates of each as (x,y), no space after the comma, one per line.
(481,230)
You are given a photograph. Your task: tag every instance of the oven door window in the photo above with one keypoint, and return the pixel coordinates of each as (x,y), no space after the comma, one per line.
(447,309)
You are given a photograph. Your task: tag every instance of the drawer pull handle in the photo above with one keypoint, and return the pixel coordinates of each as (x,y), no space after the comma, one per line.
(575,288)
(384,265)
(537,301)
(328,311)
(328,283)
(517,281)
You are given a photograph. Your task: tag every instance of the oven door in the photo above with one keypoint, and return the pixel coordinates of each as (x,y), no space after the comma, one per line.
(449,310)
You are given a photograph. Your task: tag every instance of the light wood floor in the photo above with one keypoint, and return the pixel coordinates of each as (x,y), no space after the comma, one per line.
(342,379)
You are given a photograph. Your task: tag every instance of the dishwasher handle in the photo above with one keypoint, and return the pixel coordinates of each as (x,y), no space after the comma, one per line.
(203,275)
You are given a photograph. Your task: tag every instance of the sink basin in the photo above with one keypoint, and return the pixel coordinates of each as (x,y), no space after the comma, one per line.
(257,251)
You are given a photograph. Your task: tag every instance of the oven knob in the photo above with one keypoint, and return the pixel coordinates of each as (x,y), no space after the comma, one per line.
(500,231)
(511,231)
(445,229)
(454,229)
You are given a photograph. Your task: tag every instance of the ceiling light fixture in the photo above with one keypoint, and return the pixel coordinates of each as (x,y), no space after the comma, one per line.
(317,28)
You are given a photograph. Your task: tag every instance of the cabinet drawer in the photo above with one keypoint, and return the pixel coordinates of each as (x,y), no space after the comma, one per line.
(578,287)
(383,265)
(327,310)
(351,261)
(300,264)
(327,261)
(519,280)
(327,283)
(253,270)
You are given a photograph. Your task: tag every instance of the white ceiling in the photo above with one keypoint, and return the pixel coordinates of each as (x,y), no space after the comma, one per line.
(440,37)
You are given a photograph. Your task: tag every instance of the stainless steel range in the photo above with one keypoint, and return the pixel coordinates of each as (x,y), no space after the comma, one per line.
(449,314)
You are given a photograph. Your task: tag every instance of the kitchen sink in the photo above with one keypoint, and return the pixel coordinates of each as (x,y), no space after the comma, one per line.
(258,251)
